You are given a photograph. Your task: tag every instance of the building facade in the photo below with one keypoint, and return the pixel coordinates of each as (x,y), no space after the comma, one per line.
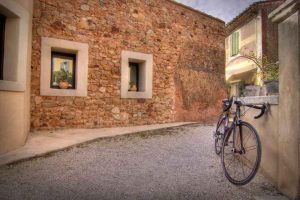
(250,33)
(15,62)
(126,63)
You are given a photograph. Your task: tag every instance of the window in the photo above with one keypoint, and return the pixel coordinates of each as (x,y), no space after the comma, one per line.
(2,39)
(234,43)
(136,75)
(136,82)
(14,46)
(63,67)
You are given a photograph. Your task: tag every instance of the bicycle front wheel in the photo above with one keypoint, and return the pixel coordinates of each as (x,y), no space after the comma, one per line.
(241,154)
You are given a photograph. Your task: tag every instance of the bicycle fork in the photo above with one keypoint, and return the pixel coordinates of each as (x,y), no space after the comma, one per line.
(235,137)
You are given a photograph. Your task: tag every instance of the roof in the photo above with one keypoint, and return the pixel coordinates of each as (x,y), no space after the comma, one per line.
(249,12)
(195,10)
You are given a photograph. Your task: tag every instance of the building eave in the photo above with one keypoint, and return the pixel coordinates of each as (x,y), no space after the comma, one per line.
(250,12)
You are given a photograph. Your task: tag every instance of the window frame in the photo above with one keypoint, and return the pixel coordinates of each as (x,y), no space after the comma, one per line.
(145,62)
(2,41)
(17,27)
(81,75)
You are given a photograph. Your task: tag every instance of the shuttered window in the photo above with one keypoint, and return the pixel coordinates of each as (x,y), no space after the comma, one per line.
(234,43)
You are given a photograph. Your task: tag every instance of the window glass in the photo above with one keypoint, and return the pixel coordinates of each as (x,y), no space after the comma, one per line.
(63,70)
(133,76)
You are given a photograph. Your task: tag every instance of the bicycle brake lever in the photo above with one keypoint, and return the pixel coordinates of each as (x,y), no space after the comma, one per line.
(264,108)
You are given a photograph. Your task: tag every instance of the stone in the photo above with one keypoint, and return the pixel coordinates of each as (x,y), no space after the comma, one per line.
(85,7)
(115,110)
(102,89)
(38,100)
(79,102)
(83,24)
(49,104)
(117,116)
(124,116)
(93,88)
(58,25)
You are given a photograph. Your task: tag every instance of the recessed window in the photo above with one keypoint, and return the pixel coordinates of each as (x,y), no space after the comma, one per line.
(136,79)
(234,47)
(2,39)
(14,46)
(63,68)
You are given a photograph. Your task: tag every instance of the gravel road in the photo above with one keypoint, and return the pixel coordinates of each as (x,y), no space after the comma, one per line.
(173,163)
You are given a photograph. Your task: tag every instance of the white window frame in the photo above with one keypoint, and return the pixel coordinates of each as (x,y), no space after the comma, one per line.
(16,47)
(81,69)
(146,63)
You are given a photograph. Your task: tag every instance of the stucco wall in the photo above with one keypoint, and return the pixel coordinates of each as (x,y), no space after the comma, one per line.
(249,40)
(175,35)
(15,106)
(267,128)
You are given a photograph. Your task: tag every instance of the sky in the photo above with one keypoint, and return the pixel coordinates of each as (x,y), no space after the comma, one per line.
(225,10)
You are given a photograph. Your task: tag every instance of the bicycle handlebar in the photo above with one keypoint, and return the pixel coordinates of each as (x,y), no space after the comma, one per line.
(262,108)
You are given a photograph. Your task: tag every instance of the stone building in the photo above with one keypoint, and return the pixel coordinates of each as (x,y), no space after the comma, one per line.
(251,31)
(100,63)
(172,54)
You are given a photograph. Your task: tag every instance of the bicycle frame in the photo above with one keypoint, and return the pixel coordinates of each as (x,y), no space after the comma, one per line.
(236,122)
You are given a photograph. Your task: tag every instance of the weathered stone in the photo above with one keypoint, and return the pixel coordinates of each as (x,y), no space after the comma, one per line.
(117,116)
(49,104)
(102,89)
(38,100)
(85,7)
(93,88)
(124,116)
(79,101)
(115,110)
(58,25)
(83,24)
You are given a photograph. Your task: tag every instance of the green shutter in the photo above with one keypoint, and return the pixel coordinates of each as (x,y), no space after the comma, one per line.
(234,43)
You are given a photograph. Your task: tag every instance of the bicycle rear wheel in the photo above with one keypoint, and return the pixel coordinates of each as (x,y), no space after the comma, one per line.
(241,154)
(219,134)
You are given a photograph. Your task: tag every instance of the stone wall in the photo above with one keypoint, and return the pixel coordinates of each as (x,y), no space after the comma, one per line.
(188,52)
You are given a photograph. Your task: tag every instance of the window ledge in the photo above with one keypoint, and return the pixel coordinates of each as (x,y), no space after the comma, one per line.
(272,100)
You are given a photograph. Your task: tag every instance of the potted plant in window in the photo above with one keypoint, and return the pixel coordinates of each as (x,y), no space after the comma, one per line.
(63,77)
(132,86)
(268,72)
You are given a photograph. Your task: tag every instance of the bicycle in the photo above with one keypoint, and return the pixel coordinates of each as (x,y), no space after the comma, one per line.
(240,159)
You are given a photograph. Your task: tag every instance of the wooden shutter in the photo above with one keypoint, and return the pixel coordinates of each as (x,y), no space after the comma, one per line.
(234,43)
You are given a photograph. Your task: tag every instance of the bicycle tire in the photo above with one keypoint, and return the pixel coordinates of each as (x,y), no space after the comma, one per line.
(257,160)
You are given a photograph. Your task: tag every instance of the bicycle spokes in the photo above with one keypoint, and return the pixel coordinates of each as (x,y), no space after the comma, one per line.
(241,154)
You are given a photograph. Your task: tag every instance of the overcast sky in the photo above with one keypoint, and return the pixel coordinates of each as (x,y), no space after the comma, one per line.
(222,9)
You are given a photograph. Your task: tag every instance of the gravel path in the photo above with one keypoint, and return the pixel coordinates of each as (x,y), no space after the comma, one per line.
(174,163)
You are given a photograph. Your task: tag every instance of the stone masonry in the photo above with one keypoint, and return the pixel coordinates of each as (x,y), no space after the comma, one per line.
(188,70)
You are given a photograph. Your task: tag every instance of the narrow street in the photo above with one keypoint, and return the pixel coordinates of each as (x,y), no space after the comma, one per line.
(173,163)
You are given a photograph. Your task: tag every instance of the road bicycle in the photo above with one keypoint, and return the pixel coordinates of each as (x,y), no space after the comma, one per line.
(238,142)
